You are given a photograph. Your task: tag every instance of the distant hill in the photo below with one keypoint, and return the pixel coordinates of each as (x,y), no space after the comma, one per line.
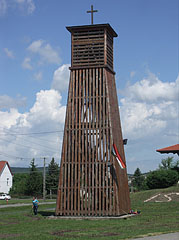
(40,169)
(24,170)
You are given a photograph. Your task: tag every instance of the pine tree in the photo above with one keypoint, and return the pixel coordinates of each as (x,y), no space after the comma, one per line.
(52,177)
(138,181)
(34,180)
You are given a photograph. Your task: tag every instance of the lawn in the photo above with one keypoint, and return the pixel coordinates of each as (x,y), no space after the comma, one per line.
(155,218)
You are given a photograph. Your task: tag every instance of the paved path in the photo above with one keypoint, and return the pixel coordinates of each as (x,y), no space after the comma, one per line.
(168,236)
(23,204)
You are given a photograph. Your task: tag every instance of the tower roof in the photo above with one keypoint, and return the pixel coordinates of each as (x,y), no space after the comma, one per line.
(93,26)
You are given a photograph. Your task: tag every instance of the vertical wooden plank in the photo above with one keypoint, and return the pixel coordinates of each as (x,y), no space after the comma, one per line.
(109,144)
(87,145)
(93,140)
(68,167)
(100,139)
(66,141)
(69,155)
(83,143)
(106,141)
(90,145)
(79,122)
(78,162)
(60,197)
(104,145)
(97,160)
(72,148)
(74,145)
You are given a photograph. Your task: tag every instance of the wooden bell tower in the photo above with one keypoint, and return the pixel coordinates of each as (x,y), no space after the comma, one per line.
(93,178)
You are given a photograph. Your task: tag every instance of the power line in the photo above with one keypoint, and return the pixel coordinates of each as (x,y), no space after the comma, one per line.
(21,135)
(17,135)
(22,158)
(33,133)
(12,133)
(26,146)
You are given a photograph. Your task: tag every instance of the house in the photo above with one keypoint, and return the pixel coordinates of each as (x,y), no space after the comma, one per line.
(5,177)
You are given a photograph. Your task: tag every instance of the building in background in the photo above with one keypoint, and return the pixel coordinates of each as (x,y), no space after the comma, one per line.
(6,177)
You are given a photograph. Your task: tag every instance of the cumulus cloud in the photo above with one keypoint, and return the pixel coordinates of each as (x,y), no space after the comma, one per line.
(151,89)
(61,78)
(149,118)
(9,118)
(47,107)
(27,63)
(9,53)
(148,106)
(47,114)
(45,51)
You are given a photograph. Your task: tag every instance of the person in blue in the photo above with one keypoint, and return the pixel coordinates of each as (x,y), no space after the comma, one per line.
(35,204)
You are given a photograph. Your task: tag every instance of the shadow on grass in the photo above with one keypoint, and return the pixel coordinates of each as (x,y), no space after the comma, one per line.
(46,213)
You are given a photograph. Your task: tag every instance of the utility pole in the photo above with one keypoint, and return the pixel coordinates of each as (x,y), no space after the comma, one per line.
(44,180)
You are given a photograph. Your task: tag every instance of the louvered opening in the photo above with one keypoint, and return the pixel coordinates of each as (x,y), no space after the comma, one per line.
(88,48)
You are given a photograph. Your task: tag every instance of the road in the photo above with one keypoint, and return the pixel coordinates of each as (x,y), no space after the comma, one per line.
(23,204)
(168,236)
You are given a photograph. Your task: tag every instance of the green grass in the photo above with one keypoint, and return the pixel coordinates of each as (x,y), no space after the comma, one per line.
(155,218)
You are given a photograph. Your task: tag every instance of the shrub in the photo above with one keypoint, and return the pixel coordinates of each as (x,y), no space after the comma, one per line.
(161,178)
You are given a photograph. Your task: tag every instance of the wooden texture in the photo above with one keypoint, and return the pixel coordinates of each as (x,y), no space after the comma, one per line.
(91,182)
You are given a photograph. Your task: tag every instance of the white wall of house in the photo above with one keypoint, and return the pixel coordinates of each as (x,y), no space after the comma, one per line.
(5,180)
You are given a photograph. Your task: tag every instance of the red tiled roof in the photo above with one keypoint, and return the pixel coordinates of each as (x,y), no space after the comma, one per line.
(171,149)
(2,165)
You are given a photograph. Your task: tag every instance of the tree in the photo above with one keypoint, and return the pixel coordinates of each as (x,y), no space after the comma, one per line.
(161,178)
(52,177)
(19,184)
(166,163)
(138,180)
(176,166)
(34,181)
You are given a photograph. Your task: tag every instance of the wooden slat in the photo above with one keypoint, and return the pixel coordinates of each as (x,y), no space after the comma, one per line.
(90,143)
(77,156)
(100,137)
(97,163)
(103,136)
(76,73)
(86,145)
(93,140)
(83,139)
(73,183)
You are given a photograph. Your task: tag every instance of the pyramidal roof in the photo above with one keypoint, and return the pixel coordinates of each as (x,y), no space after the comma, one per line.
(2,166)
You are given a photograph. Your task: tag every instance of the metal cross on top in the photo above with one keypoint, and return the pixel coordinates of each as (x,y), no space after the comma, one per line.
(92,11)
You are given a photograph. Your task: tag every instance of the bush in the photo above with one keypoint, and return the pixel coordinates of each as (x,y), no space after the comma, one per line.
(161,178)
